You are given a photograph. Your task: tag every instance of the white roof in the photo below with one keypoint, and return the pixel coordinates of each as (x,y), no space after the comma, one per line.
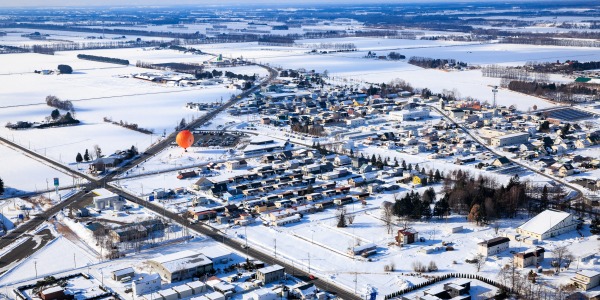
(185,259)
(588,273)
(270,269)
(196,284)
(544,221)
(53,289)
(123,271)
(168,292)
(148,277)
(103,193)
(182,288)
(215,295)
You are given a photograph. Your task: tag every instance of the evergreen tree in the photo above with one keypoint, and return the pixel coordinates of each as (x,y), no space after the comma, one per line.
(410,167)
(441,208)
(423,171)
(426,210)
(544,198)
(373,160)
(351,152)
(430,175)
(78,158)
(55,114)
(416,167)
(437,177)
(396,163)
(1,186)
(403,164)
(86,155)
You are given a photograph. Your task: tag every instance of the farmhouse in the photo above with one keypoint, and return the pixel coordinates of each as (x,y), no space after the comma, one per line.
(406,236)
(547,224)
(181,265)
(493,246)
(529,257)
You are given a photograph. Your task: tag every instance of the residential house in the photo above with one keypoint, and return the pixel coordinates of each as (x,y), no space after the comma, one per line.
(501,162)
(184,175)
(493,246)
(529,257)
(407,236)
(586,279)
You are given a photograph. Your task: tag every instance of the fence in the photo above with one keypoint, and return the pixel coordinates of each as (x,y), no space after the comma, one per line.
(444,277)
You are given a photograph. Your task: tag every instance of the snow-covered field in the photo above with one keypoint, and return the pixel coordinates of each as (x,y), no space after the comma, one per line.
(28,174)
(356,70)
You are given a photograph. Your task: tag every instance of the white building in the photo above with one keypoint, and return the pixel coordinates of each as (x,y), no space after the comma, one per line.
(510,139)
(409,115)
(547,224)
(104,198)
(586,279)
(355,122)
(493,246)
(260,294)
(180,265)
(146,284)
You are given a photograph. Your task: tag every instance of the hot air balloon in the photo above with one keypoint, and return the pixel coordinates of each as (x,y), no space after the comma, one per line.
(185,139)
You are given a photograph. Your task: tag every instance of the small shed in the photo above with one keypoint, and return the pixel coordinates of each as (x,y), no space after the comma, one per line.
(169,294)
(183,291)
(119,274)
(198,287)
(215,296)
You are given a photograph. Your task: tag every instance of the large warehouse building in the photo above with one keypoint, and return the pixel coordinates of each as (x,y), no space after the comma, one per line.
(547,224)
(181,265)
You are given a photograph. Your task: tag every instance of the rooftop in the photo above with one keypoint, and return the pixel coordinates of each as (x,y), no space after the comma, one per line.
(544,221)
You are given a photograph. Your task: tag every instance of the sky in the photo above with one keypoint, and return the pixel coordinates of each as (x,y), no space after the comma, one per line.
(84,3)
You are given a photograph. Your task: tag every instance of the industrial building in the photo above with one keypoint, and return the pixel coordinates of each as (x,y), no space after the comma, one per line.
(181,265)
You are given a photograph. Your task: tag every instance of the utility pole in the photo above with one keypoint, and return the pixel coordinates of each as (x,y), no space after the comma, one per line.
(495,91)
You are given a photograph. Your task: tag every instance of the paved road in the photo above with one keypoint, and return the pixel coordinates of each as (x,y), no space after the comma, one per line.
(27,250)
(221,238)
(23,250)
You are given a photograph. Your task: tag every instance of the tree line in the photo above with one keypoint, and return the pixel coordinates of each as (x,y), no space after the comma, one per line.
(434,63)
(111,60)
(561,92)
(132,126)
(515,73)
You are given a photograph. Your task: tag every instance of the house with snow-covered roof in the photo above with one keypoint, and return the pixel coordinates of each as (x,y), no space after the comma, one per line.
(548,224)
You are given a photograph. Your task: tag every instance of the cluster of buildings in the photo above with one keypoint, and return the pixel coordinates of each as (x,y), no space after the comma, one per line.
(190,275)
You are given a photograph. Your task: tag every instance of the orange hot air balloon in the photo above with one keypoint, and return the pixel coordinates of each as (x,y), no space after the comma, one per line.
(185,139)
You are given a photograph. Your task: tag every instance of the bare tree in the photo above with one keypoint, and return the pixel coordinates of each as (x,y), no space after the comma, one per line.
(98,151)
(350,219)
(561,254)
(496,227)
(387,215)
(478,262)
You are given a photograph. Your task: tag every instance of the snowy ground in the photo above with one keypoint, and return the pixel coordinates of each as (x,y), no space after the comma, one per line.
(31,175)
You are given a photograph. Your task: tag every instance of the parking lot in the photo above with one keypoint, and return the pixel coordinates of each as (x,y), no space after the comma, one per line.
(216,138)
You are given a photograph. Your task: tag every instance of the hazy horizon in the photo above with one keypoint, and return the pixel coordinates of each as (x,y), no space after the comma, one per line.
(162,3)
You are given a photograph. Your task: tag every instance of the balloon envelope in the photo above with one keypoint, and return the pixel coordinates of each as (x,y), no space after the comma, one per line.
(185,139)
